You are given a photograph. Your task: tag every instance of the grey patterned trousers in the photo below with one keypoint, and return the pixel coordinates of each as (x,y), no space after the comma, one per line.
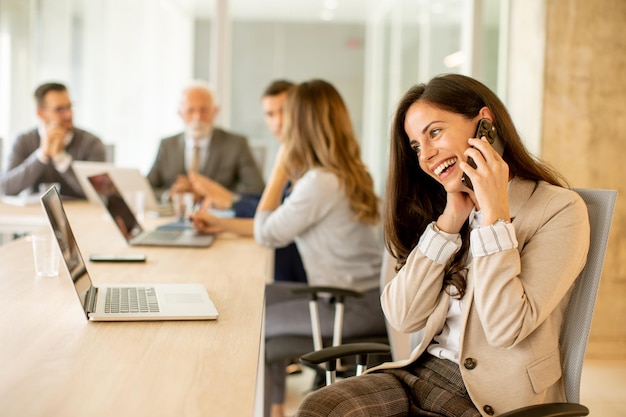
(429,387)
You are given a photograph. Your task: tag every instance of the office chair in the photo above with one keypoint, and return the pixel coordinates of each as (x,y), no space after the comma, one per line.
(576,323)
(109,152)
(293,346)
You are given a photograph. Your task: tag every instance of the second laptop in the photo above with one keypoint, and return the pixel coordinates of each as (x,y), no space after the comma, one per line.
(130,228)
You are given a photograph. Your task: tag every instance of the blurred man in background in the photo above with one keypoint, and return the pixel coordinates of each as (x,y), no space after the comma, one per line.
(210,152)
(44,154)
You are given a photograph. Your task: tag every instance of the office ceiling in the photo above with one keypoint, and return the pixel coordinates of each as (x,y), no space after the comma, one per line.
(292,10)
(330,10)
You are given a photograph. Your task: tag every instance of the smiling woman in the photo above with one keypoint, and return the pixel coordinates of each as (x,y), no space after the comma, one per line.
(492,267)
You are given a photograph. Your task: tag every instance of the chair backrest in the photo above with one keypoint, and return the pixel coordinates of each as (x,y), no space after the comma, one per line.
(259,153)
(577,321)
(109,152)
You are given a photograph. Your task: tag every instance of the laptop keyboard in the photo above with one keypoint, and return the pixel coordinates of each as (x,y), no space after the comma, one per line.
(131,300)
(160,236)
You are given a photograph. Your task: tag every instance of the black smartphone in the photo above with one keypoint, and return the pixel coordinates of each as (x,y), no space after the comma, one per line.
(125,257)
(487,129)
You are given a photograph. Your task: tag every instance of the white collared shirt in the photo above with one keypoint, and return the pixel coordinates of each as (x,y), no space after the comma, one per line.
(62,160)
(440,247)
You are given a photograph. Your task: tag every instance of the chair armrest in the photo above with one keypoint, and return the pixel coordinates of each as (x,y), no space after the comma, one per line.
(340,293)
(330,354)
(549,410)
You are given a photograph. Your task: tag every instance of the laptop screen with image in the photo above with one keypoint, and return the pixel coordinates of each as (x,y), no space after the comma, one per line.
(72,257)
(112,199)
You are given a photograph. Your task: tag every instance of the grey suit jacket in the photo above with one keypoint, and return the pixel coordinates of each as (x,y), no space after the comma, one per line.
(514,303)
(229,162)
(26,171)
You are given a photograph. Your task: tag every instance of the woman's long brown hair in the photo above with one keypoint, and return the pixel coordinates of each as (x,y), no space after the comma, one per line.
(414,199)
(318,133)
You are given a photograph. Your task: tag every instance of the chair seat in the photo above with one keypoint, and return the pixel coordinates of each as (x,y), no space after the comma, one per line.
(283,347)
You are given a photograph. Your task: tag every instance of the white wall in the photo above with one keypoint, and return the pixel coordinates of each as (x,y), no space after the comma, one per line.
(124,62)
(265,51)
(525,69)
(136,59)
(16,68)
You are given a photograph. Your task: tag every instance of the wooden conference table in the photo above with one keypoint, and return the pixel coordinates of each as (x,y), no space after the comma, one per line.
(53,362)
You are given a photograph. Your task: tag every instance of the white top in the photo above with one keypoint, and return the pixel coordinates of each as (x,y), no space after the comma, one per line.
(335,248)
(440,246)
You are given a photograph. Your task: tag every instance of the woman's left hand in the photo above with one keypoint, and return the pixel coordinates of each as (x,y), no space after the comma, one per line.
(490,180)
(459,205)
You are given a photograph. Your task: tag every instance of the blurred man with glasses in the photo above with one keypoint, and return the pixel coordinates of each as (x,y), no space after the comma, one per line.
(44,154)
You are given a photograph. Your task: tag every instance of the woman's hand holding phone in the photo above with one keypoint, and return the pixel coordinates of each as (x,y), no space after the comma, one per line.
(484,129)
(488,171)
(489,182)
(490,178)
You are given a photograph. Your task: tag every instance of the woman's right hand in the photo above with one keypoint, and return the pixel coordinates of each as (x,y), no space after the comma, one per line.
(205,222)
(219,197)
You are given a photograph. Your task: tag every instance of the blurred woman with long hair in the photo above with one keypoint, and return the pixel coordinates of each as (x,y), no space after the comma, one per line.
(332,213)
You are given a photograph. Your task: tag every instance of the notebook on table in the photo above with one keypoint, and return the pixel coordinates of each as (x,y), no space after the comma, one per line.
(129,181)
(130,228)
(129,302)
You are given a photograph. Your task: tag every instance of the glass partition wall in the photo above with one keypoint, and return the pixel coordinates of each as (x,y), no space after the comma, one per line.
(409,42)
(125,61)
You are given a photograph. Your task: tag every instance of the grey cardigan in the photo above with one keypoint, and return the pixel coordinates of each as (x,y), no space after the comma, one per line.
(335,248)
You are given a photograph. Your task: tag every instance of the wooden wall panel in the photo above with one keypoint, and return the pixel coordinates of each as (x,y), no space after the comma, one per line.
(584,133)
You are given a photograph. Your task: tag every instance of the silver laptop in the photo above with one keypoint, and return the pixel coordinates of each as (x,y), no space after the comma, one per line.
(129,181)
(123,302)
(130,228)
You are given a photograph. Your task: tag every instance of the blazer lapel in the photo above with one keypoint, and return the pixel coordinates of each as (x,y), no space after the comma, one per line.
(520,191)
(178,155)
(211,164)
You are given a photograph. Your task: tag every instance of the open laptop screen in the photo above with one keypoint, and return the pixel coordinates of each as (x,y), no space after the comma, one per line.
(124,218)
(72,258)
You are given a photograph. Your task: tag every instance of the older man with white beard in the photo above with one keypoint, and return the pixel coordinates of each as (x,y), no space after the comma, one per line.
(212,152)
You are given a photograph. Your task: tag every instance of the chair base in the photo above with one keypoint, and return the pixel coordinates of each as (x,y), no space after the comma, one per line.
(549,410)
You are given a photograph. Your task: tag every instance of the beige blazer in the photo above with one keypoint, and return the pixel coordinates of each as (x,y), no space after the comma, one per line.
(514,304)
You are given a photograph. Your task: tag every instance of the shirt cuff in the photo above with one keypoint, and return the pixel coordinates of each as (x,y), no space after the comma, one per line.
(62,161)
(41,156)
(438,245)
(497,237)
